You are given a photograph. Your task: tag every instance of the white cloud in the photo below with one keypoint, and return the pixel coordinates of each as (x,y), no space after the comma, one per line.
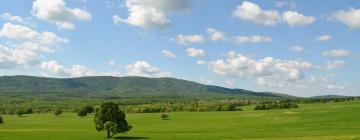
(242,66)
(31,46)
(253,39)
(249,11)
(116,19)
(77,70)
(142,68)
(230,83)
(297,49)
(12,18)
(335,87)
(56,12)
(201,62)
(261,81)
(290,4)
(188,39)
(54,67)
(153,14)
(205,81)
(337,53)
(335,64)
(294,18)
(167,53)
(193,52)
(27,45)
(111,63)
(252,12)
(15,57)
(215,35)
(350,17)
(323,38)
(23,33)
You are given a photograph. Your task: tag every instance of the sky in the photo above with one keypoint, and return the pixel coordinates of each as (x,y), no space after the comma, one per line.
(302,48)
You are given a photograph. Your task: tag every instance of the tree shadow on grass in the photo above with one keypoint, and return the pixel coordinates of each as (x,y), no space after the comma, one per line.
(130,138)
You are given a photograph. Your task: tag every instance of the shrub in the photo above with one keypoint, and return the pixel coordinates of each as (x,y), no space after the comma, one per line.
(29,111)
(20,113)
(81,112)
(88,109)
(164,116)
(58,112)
(1,120)
(276,105)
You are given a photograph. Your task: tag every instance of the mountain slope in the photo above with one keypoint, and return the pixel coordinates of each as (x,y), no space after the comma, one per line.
(104,86)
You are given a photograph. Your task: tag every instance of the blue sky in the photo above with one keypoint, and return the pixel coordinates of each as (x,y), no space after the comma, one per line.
(301,48)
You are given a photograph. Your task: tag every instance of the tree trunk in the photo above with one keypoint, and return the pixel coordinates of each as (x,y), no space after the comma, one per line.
(112,135)
(108,134)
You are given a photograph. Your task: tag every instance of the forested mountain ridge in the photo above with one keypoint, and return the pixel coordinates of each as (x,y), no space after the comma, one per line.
(105,86)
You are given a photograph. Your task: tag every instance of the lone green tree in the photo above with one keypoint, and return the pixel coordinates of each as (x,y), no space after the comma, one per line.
(1,120)
(82,112)
(58,112)
(108,117)
(164,116)
(20,113)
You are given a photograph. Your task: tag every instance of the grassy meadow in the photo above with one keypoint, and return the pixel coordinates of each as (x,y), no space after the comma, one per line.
(329,121)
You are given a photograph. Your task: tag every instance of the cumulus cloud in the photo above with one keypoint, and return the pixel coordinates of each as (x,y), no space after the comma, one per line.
(188,39)
(77,70)
(215,35)
(142,68)
(337,53)
(15,57)
(56,12)
(54,67)
(297,49)
(294,18)
(290,4)
(153,14)
(244,67)
(167,53)
(205,81)
(116,19)
(335,64)
(350,17)
(266,81)
(23,33)
(111,63)
(252,12)
(27,45)
(12,18)
(323,38)
(193,52)
(230,83)
(252,39)
(335,87)
(261,81)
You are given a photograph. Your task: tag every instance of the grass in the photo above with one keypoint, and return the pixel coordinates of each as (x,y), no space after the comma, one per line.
(330,121)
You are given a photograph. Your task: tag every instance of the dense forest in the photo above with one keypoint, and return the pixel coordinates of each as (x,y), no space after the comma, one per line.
(136,95)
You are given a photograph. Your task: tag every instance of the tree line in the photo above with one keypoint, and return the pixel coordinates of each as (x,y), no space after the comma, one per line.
(285,104)
(183,107)
(164,106)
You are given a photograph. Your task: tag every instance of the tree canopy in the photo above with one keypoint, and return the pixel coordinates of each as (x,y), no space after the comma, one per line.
(1,120)
(108,117)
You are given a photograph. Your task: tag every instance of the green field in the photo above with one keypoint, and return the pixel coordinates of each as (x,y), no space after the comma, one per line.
(309,122)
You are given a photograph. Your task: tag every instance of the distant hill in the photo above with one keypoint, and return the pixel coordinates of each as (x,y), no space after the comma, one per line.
(120,87)
(329,97)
